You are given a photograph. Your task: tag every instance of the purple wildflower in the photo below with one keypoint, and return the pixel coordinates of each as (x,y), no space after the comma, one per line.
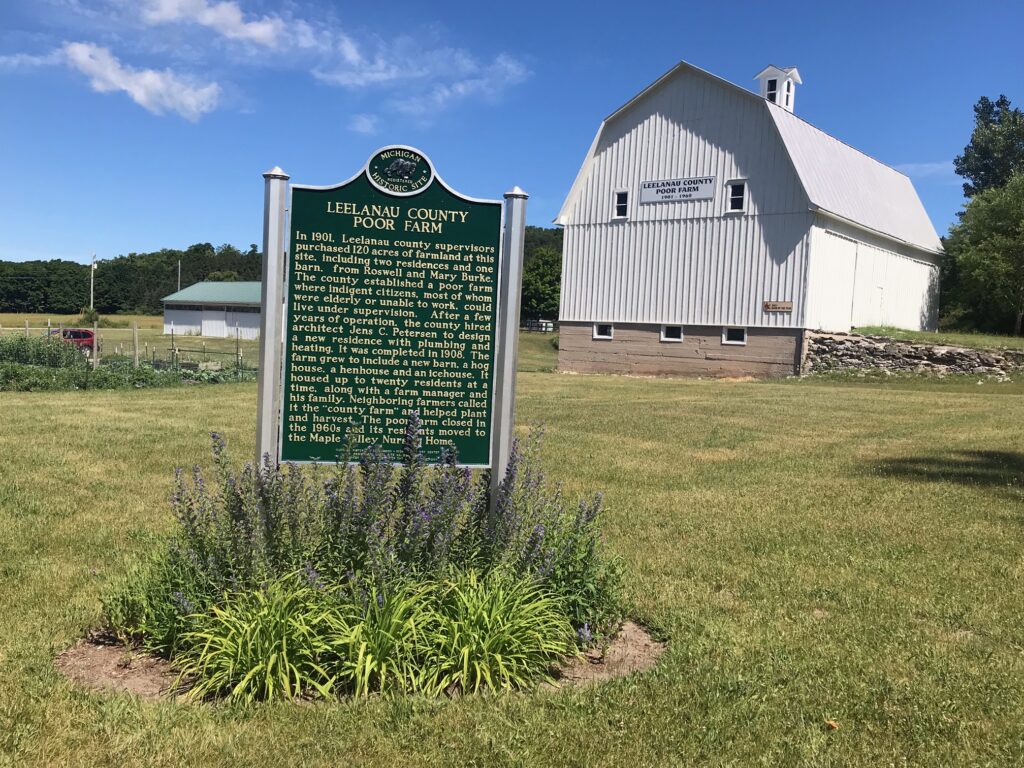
(584,635)
(183,604)
(312,576)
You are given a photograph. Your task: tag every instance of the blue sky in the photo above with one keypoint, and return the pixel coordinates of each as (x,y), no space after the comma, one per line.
(131,125)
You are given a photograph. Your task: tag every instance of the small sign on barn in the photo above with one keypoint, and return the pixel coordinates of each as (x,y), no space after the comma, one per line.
(674,190)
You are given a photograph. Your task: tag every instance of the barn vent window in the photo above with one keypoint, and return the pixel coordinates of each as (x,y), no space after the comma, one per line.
(671,333)
(737,196)
(621,204)
(789,93)
(734,335)
(772,91)
(603,330)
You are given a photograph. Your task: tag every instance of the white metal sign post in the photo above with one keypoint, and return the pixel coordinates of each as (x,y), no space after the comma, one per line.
(511,283)
(268,402)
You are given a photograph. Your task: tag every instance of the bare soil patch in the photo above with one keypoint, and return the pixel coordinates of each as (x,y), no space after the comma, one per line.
(631,650)
(103,664)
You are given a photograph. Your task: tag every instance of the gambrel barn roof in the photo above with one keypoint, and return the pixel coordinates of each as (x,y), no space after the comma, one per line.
(839,180)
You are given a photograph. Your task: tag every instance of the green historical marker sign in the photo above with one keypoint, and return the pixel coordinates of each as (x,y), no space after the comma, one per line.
(391,307)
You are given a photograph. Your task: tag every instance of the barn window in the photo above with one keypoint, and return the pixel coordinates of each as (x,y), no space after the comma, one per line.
(621,204)
(737,195)
(603,330)
(773,89)
(671,333)
(789,92)
(734,335)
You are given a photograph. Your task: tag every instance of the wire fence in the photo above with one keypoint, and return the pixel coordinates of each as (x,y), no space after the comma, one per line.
(151,346)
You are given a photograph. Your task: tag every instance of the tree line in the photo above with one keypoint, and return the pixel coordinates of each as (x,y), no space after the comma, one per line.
(133,284)
(137,282)
(982,285)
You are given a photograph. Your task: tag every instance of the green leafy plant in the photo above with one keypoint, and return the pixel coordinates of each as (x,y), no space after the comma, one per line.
(495,634)
(260,645)
(48,351)
(88,316)
(383,648)
(153,604)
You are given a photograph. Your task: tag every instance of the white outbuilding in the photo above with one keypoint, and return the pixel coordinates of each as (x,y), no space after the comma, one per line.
(709,227)
(216,309)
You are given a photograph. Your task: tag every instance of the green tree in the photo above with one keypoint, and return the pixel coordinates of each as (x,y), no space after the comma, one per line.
(996,149)
(541,237)
(135,282)
(223,276)
(542,278)
(988,247)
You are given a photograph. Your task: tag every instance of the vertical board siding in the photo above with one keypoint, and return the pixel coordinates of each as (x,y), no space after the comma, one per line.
(215,324)
(247,324)
(855,283)
(830,281)
(184,321)
(688,262)
(713,272)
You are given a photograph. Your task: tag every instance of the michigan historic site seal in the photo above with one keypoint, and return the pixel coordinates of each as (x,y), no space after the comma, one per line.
(399,171)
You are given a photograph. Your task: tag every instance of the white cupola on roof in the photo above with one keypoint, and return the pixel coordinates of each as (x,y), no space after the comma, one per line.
(778,85)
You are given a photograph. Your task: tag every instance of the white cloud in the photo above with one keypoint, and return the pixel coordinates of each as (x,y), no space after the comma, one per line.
(401,59)
(445,74)
(225,17)
(30,61)
(157,91)
(363,124)
(487,82)
(417,72)
(940,169)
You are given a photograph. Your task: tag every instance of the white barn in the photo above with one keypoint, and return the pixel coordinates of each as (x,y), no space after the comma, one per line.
(216,309)
(709,227)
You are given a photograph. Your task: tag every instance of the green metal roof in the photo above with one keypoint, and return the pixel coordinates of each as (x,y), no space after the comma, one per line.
(217,293)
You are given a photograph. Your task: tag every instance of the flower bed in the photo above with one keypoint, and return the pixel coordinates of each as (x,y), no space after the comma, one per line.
(291,581)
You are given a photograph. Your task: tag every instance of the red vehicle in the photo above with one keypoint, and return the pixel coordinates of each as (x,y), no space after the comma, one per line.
(80,337)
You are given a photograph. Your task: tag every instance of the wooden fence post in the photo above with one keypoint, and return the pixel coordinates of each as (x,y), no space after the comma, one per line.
(135,342)
(26,327)
(95,345)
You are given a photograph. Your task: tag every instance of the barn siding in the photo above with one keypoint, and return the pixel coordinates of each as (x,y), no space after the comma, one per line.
(858,279)
(190,322)
(687,262)
(183,321)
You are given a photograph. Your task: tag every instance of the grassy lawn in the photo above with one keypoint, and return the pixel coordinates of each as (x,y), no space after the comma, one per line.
(536,352)
(982,340)
(814,551)
(10,320)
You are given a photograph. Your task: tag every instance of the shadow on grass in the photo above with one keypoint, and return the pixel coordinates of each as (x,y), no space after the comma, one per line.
(995,469)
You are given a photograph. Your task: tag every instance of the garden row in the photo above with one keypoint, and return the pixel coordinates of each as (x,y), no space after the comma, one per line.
(50,364)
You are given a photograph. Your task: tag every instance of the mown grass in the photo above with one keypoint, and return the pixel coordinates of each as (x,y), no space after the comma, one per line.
(537,353)
(813,551)
(956,339)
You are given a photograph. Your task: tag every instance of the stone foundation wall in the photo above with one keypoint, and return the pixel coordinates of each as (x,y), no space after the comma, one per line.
(637,349)
(853,352)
